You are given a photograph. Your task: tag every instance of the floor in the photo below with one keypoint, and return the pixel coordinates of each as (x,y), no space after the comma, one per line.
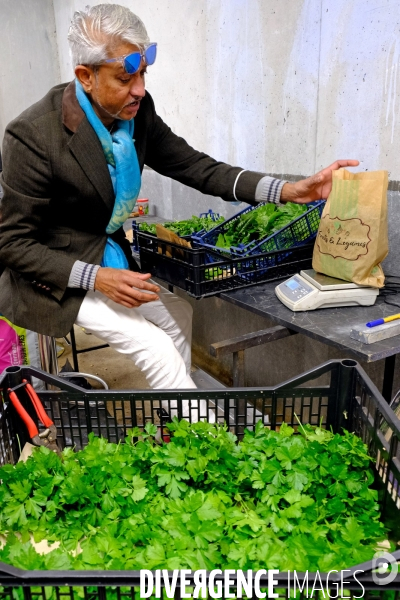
(116,369)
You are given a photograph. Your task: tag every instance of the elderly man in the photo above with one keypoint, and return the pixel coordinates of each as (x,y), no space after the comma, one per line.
(71,175)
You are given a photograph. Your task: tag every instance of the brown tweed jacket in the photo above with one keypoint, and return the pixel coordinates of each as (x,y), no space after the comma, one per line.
(58,200)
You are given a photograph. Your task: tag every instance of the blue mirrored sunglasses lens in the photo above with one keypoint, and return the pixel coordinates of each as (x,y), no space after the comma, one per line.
(150,54)
(132,62)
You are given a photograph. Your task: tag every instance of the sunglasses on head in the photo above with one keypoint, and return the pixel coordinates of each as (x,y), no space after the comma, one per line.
(133,61)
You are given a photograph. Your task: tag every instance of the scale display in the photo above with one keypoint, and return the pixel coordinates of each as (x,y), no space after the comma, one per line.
(293,284)
(310,290)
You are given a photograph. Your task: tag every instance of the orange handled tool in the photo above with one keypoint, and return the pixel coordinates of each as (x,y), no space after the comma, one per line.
(48,437)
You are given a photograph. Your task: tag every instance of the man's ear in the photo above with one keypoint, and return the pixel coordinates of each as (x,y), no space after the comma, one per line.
(85,76)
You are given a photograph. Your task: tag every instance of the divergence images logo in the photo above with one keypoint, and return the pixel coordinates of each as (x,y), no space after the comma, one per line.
(385,568)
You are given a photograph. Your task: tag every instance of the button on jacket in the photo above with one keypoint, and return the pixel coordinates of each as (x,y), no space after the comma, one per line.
(58,200)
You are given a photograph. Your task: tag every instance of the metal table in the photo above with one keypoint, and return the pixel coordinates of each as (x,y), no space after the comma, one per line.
(328,325)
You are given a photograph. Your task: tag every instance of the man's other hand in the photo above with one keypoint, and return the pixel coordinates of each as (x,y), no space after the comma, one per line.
(315,187)
(128,288)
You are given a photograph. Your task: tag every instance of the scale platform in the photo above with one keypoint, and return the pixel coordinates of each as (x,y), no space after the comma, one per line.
(311,290)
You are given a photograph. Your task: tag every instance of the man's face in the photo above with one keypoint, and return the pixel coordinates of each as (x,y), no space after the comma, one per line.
(115,93)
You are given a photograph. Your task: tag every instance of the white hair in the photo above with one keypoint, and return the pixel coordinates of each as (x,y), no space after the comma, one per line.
(97,29)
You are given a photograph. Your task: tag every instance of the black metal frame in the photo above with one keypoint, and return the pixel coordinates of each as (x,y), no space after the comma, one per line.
(75,351)
(345,398)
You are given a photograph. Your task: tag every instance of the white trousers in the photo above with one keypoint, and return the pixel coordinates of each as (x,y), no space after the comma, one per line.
(157,335)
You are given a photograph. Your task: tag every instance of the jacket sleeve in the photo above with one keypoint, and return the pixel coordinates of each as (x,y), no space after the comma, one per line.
(173,157)
(27,186)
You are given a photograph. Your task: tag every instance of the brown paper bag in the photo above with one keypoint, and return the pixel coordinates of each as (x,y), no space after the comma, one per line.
(352,238)
(169,236)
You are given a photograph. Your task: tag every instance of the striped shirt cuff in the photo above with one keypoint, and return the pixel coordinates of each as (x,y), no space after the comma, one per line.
(83,275)
(269,189)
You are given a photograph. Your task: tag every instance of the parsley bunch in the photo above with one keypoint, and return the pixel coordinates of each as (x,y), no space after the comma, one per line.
(275,500)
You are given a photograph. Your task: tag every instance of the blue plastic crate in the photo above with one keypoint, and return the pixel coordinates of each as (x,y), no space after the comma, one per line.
(301,230)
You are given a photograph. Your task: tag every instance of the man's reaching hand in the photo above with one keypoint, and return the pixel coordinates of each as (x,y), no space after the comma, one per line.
(316,187)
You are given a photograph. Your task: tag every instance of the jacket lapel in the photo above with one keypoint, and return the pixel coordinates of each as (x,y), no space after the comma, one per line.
(86,147)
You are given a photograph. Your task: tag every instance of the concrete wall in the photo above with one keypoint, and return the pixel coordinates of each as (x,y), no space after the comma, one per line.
(358,97)
(28,55)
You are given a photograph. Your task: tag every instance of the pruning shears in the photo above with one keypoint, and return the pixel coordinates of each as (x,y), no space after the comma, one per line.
(48,437)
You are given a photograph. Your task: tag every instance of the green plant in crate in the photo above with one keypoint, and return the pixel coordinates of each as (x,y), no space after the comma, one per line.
(256,224)
(186,227)
(218,273)
(202,501)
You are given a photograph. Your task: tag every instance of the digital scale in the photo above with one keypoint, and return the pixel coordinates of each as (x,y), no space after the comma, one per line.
(311,290)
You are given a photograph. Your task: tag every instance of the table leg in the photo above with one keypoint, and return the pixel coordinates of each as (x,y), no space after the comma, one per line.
(388,376)
(238,369)
(73,349)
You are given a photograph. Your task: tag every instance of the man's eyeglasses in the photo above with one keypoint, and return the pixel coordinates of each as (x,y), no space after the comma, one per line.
(133,61)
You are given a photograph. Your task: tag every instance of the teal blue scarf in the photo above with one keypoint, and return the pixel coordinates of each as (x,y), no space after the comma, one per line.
(120,152)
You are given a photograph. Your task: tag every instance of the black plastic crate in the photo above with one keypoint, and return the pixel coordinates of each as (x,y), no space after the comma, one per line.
(201,272)
(337,394)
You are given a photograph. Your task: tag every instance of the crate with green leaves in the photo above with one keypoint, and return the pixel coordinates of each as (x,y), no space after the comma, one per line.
(264,228)
(291,477)
(203,272)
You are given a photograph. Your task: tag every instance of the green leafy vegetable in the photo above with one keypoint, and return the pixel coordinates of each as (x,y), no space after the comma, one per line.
(275,500)
(186,227)
(259,223)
